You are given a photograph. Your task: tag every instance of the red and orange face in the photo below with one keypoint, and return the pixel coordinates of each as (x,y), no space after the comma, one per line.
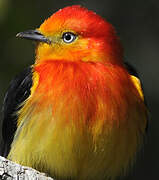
(77,34)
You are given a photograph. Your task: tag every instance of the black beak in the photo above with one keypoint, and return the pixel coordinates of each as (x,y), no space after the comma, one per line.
(33,35)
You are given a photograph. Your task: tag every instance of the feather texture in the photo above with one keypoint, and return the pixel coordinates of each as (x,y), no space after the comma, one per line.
(76,112)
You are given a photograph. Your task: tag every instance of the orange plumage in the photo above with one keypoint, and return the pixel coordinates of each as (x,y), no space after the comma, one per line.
(85,117)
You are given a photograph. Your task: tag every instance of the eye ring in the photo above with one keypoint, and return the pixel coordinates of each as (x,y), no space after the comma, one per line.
(68,37)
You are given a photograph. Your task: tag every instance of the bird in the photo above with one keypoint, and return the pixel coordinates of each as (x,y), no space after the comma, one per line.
(79,111)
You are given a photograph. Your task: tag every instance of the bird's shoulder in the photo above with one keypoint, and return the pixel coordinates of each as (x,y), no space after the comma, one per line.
(18,91)
(135,78)
(139,86)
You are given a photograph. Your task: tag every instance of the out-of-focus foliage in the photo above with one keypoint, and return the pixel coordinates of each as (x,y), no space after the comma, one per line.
(4,8)
(137,24)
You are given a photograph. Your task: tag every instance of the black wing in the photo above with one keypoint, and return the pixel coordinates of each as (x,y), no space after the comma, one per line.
(131,69)
(18,91)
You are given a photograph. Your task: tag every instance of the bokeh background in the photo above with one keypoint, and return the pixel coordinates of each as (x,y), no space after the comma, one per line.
(137,24)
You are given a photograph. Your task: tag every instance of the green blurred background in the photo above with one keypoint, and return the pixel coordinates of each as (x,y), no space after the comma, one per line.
(137,24)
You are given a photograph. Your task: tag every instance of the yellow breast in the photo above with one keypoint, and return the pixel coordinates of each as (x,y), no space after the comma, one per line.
(79,124)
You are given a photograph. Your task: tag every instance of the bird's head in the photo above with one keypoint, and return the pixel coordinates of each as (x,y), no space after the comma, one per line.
(76,34)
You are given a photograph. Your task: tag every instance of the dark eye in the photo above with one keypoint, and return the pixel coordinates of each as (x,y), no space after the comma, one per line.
(68,37)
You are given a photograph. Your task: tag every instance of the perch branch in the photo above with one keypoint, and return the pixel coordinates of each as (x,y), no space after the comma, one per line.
(13,171)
